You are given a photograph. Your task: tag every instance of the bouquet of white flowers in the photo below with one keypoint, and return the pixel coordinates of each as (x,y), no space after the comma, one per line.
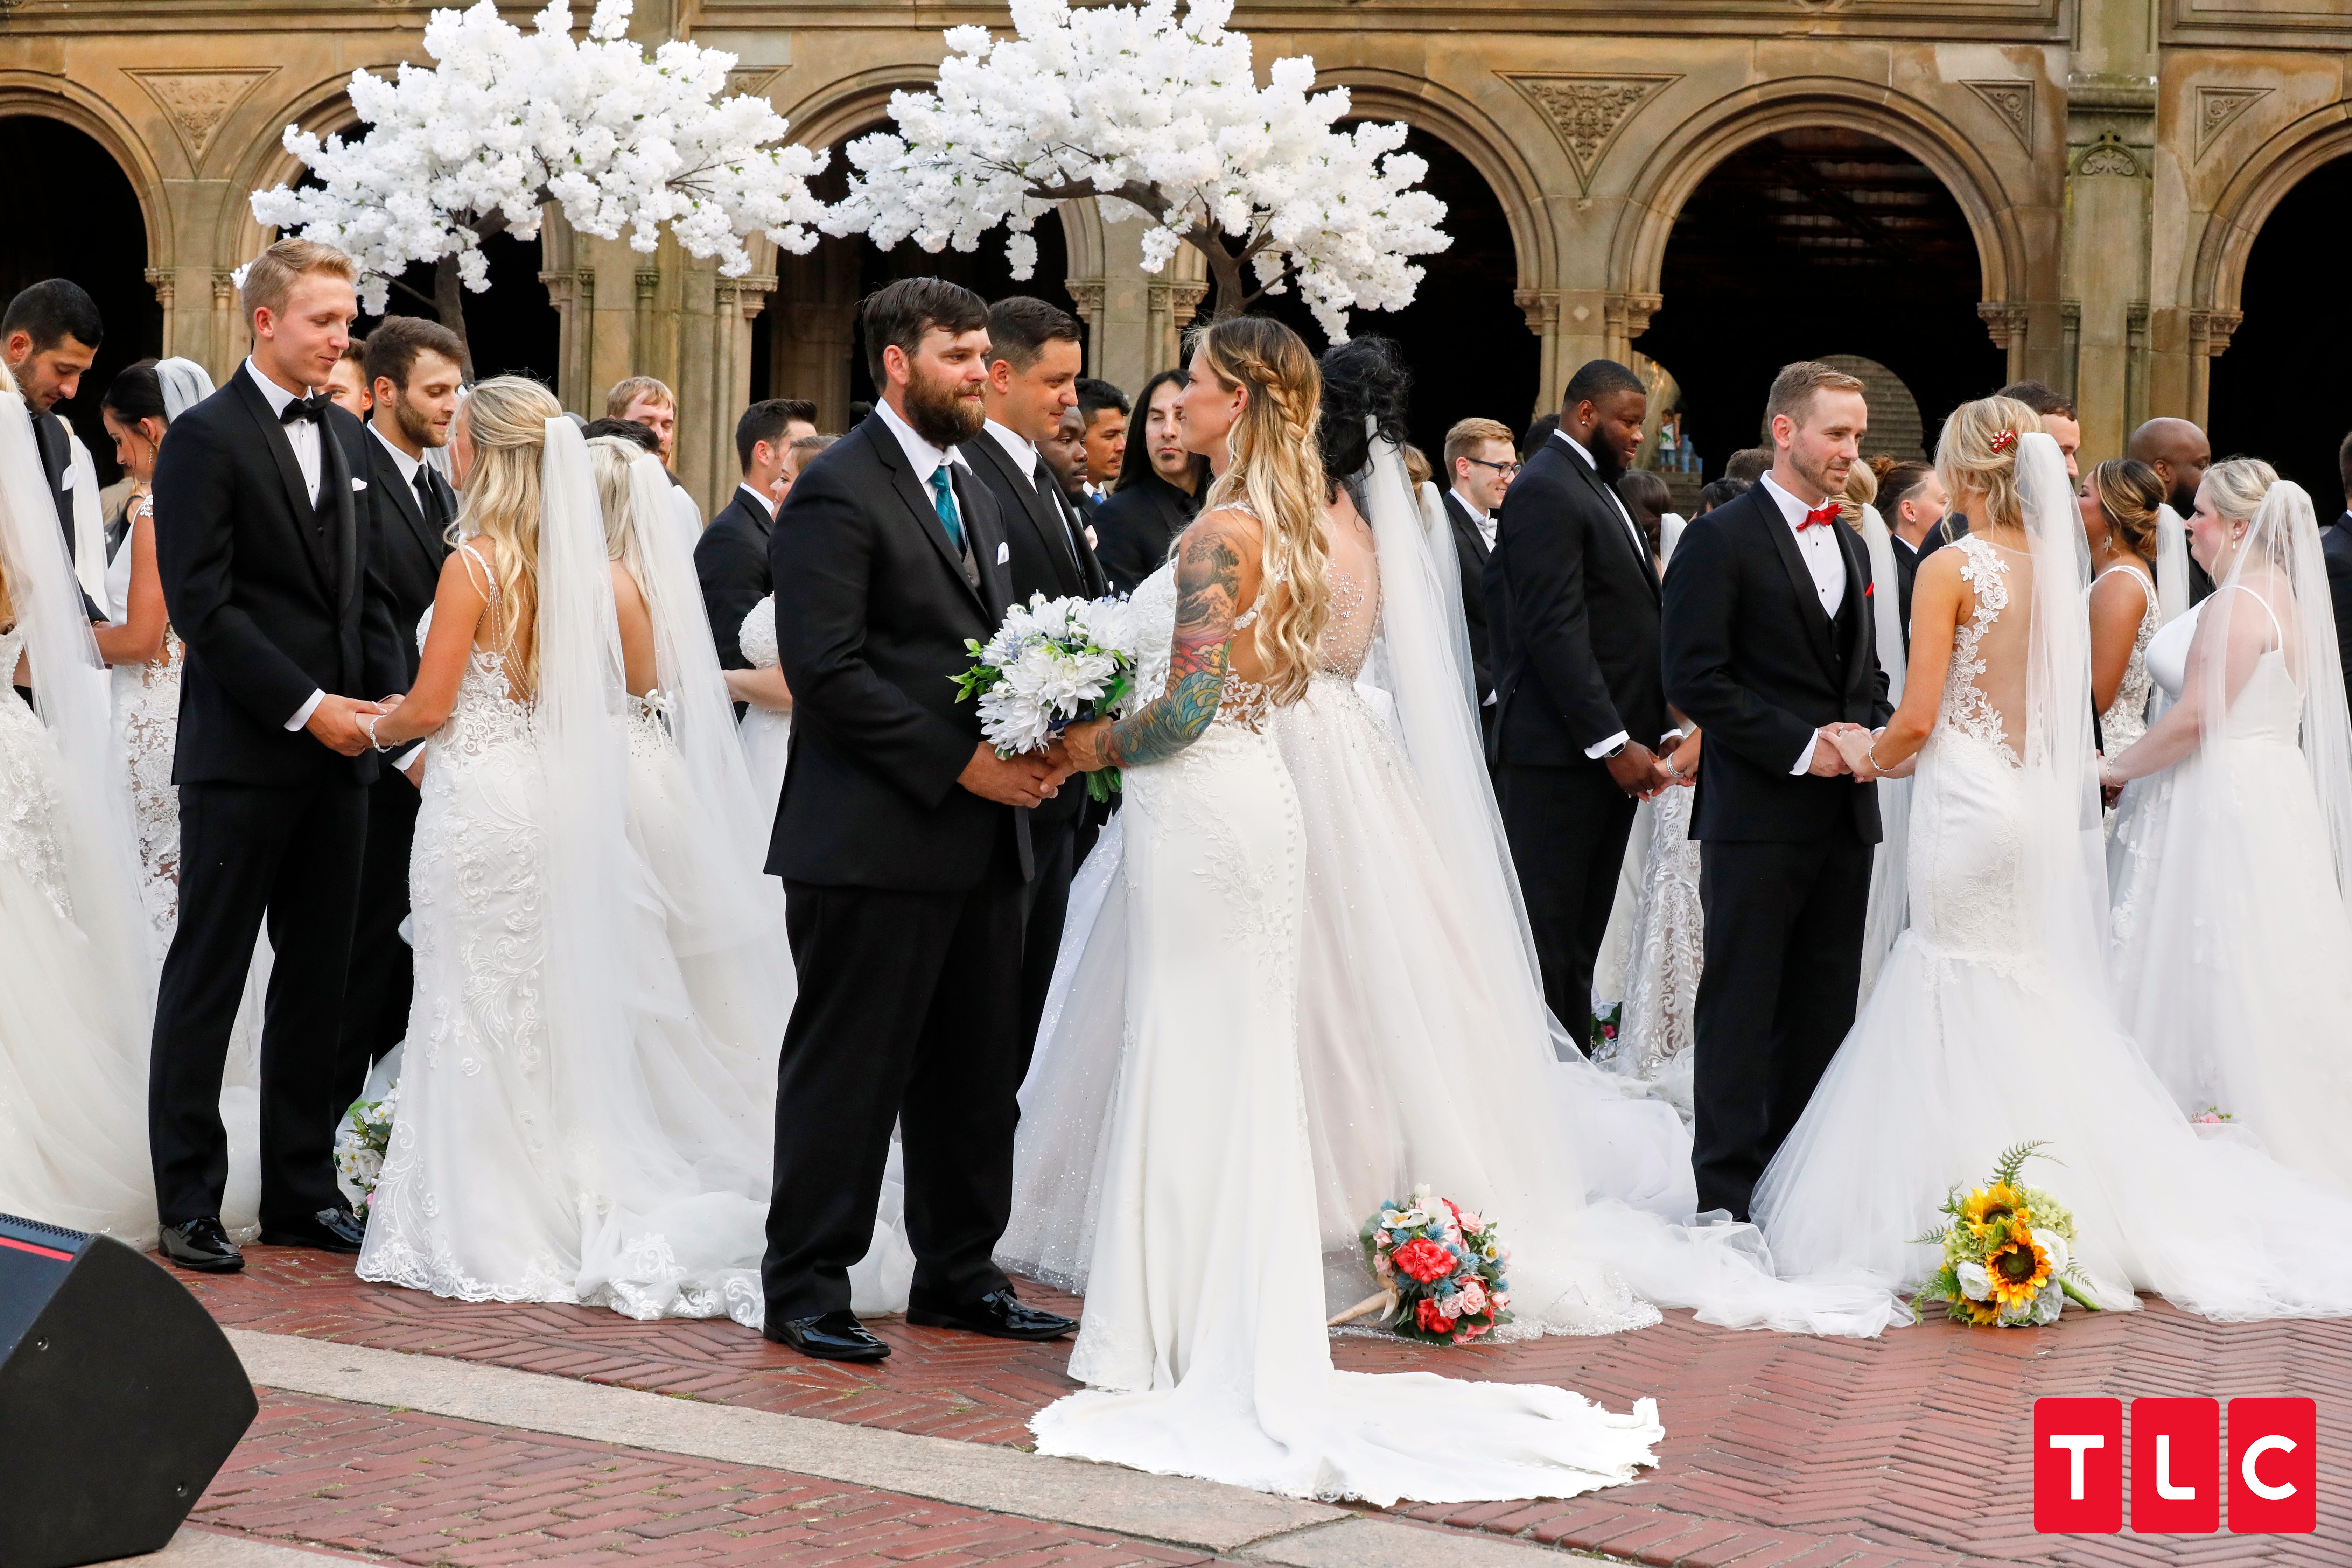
(1053,662)
(361,1144)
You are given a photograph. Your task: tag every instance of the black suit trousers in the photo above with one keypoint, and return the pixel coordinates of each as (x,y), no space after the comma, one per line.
(1566,828)
(1784,925)
(247,852)
(384,971)
(907,1012)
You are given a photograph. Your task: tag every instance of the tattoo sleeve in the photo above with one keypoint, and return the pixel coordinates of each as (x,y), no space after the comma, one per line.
(1208,593)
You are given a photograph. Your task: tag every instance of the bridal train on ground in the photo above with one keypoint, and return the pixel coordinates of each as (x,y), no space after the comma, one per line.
(1990,1023)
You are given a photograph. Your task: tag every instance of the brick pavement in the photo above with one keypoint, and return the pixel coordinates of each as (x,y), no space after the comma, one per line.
(1780,1449)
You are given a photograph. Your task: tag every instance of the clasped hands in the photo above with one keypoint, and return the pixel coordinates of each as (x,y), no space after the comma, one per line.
(340,722)
(1029,779)
(1645,774)
(1845,749)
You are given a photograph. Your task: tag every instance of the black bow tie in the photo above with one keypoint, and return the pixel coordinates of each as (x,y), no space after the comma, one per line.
(314,409)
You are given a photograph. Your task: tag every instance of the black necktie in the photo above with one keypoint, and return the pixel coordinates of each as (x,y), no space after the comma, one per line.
(428,499)
(314,409)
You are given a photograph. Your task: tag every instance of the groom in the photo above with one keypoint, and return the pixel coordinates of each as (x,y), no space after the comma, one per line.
(1769,649)
(265,571)
(903,843)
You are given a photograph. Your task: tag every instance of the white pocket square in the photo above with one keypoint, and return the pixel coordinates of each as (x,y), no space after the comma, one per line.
(358,485)
(66,483)
(1004,553)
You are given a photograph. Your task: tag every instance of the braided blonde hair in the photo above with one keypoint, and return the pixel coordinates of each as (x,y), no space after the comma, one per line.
(1978,454)
(506,419)
(1277,474)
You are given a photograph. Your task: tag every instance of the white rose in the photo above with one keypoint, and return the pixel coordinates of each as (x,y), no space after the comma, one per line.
(1975,1283)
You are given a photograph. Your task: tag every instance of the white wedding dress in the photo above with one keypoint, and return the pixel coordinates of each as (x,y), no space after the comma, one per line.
(1992,1025)
(1658,1025)
(767,735)
(1203,1337)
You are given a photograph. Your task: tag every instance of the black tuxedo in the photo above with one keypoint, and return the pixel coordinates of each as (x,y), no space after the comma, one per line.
(56,446)
(1470,547)
(1753,659)
(730,560)
(1050,556)
(274,595)
(1135,528)
(1572,621)
(904,890)
(2336,547)
(410,542)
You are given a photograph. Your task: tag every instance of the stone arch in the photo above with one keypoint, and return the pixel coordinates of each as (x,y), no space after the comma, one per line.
(321,106)
(2262,180)
(1675,168)
(68,102)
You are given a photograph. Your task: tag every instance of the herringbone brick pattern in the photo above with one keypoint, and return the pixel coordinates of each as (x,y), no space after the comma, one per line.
(1780,1449)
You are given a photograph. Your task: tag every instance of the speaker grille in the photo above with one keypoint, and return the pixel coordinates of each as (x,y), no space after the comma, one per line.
(26,1229)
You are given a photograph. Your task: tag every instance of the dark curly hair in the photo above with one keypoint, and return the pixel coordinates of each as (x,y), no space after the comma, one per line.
(1363,378)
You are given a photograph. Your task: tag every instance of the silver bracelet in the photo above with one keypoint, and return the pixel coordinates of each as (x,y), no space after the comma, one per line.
(1872,756)
(367,722)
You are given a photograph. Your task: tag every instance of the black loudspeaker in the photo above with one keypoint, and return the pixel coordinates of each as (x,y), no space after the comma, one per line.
(120,1398)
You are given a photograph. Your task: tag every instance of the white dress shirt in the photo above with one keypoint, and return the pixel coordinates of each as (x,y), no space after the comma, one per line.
(1017,447)
(1822,558)
(924,456)
(1640,547)
(1483,520)
(303,436)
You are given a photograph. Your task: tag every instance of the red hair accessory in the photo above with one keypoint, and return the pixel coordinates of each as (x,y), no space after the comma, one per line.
(2005,441)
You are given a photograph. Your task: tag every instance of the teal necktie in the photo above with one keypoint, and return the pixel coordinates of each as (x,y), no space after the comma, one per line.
(943,501)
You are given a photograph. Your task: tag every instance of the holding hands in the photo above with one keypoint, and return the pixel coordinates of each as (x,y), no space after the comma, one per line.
(1844,749)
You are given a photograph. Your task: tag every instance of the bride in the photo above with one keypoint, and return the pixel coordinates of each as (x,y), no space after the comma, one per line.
(2230,919)
(77,985)
(534,1153)
(1203,1339)
(1990,1025)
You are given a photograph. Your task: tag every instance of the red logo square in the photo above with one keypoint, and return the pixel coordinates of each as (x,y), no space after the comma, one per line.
(2078,1466)
(2175,1463)
(2274,1476)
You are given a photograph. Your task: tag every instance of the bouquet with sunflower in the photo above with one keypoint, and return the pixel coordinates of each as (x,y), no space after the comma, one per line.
(2008,1252)
(1440,1268)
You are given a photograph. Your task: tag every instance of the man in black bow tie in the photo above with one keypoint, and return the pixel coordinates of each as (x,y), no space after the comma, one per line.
(265,573)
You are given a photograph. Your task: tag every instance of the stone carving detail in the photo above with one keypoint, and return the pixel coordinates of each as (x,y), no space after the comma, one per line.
(1087,296)
(1541,307)
(2209,331)
(1629,314)
(2013,103)
(1589,111)
(2004,321)
(198,103)
(751,81)
(2218,109)
(2108,155)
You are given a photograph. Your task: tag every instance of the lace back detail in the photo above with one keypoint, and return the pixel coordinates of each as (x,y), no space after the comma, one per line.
(1966,708)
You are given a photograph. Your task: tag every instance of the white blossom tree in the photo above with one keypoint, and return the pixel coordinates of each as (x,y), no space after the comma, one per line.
(510,120)
(1159,115)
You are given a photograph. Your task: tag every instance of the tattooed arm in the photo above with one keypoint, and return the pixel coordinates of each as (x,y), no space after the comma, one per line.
(1208,599)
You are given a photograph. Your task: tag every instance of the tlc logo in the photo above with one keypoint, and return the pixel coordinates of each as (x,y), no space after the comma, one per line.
(2178,1476)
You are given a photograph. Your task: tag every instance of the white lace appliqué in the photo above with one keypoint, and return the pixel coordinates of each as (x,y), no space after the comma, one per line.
(1965,708)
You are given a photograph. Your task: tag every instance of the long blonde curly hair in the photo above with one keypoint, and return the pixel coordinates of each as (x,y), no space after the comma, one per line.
(506,419)
(1277,474)
(1978,454)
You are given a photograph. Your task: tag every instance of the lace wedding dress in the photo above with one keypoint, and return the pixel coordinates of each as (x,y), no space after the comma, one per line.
(147,718)
(73,1027)
(2126,719)
(1990,1023)
(767,735)
(1658,1026)
(1203,1337)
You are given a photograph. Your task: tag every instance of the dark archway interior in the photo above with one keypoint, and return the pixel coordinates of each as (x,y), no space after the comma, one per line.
(1812,242)
(1467,342)
(92,233)
(512,327)
(2276,393)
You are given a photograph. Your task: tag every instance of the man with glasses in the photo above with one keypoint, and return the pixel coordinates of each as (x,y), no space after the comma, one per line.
(1479,466)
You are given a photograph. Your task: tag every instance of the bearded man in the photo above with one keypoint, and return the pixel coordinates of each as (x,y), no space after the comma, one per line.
(904,844)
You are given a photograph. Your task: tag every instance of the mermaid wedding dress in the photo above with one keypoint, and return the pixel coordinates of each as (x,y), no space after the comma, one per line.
(1991,1025)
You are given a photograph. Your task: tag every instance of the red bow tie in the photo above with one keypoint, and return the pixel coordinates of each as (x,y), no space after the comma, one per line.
(1819,517)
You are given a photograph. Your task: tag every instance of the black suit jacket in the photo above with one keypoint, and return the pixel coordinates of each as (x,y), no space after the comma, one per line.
(406,552)
(1135,528)
(1750,658)
(1572,607)
(273,597)
(730,560)
(873,612)
(1470,545)
(2336,546)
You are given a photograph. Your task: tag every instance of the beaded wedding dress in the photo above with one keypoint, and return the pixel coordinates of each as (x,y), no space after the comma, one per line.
(1203,1339)
(1992,1024)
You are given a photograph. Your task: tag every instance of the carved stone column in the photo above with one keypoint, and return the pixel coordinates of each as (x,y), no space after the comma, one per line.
(1170,305)
(166,284)
(1625,317)
(2208,340)
(572,291)
(1542,309)
(227,342)
(2006,324)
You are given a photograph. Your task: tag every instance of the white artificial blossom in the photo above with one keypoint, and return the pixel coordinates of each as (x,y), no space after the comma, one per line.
(1156,113)
(509,120)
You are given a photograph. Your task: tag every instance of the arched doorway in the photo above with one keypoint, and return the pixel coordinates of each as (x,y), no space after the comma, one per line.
(2272,391)
(76,216)
(1809,242)
(1465,339)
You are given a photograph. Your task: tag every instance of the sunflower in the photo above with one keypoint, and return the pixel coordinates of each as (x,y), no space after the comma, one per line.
(1987,1205)
(1981,1314)
(2017,1269)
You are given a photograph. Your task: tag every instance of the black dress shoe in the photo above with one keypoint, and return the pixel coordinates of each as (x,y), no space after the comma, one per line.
(999,1314)
(833,1336)
(337,1229)
(202,1245)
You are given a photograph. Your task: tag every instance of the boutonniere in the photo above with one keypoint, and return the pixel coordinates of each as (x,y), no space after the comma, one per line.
(1867,588)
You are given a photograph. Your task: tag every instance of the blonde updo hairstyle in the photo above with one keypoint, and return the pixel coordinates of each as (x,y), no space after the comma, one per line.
(506,419)
(1976,455)
(610,458)
(2128,493)
(2236,485)
(1276,473)
(1861,490)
